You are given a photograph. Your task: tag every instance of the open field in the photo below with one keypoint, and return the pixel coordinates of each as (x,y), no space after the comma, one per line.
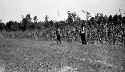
(26,55)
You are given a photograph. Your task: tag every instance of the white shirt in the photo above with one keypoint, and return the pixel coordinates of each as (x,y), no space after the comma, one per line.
(83,30)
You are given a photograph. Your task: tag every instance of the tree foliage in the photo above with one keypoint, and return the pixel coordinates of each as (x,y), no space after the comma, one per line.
(28,23)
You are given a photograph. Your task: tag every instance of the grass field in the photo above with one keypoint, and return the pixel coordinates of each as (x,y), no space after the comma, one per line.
(26,55)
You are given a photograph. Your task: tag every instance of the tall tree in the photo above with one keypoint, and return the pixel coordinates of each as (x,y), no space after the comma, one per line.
(46,18)
(26,22)
(70,18)
(2,26)
(35,19)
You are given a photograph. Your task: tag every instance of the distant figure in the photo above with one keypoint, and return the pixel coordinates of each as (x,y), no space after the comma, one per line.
(1,36)
(58,36)
(82,34)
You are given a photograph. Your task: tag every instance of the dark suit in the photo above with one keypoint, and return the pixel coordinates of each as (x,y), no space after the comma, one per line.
(58,37)
(83,36)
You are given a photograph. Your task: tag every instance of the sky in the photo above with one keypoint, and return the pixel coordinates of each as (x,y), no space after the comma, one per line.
(57,9)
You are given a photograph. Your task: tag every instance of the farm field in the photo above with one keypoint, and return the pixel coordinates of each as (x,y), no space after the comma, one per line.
(28,55)
(62,36)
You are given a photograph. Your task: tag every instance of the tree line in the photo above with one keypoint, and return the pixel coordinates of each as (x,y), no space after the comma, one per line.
(101,27)
(28,23)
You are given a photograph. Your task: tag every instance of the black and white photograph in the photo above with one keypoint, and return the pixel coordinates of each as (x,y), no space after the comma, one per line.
(62,35)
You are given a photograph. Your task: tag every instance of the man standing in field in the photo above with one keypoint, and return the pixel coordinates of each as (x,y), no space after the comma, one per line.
(83,34)
(58,36)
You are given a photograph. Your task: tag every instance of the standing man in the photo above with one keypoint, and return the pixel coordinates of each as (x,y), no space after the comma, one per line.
(83,34)
(58,36)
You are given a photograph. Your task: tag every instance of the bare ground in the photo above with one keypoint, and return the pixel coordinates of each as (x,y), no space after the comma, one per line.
(25,55)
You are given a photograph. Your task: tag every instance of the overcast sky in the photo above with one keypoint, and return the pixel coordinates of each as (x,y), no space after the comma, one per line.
(13,9)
